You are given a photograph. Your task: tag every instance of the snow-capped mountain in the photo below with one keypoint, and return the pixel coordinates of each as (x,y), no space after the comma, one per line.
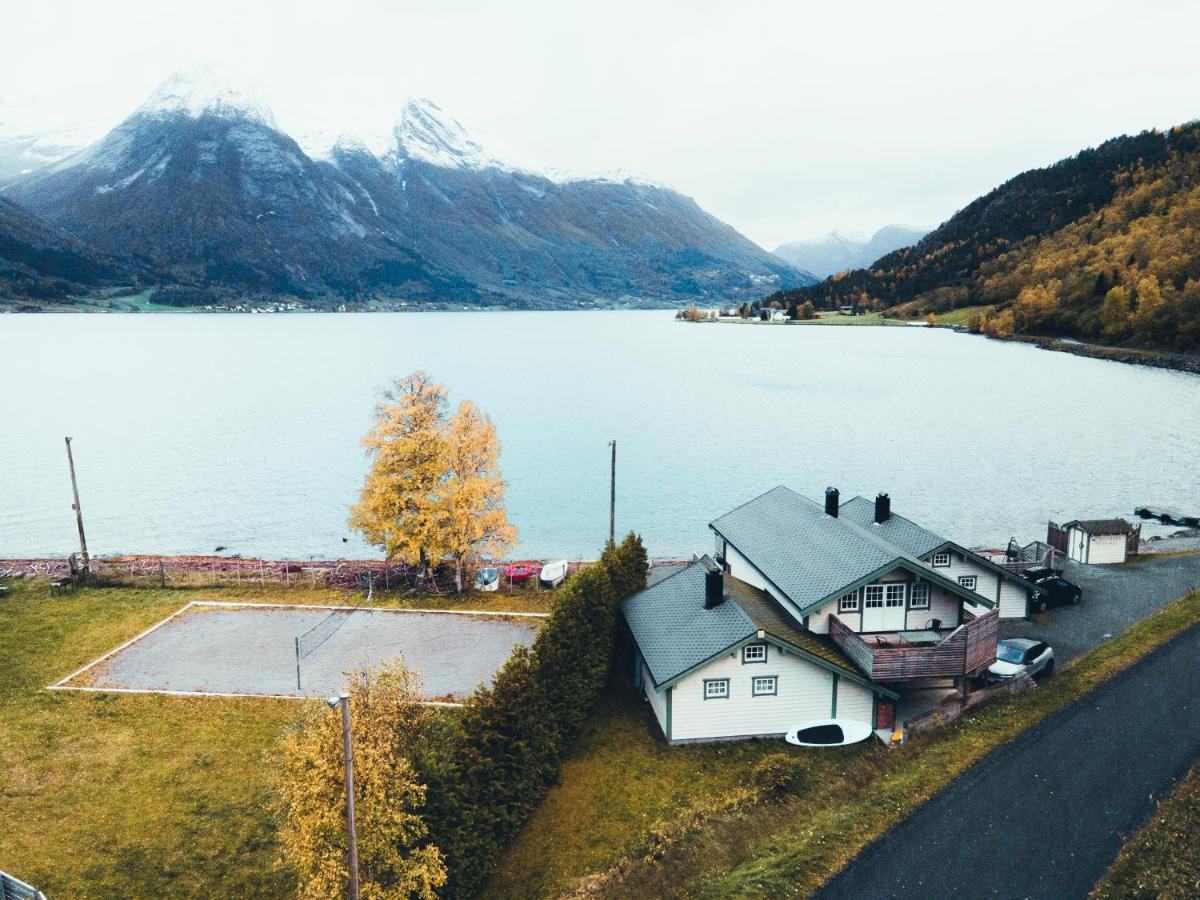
(200,187)
(836,252)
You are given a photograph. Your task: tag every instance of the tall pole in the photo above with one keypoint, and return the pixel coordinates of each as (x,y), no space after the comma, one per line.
(352,850)
(612,496)
(75,506)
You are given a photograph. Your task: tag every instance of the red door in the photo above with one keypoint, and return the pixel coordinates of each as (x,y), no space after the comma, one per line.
(885,715)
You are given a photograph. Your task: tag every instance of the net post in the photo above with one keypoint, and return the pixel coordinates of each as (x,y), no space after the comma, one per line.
(298,663)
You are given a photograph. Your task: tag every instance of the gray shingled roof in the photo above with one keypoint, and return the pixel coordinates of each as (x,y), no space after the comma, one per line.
(897,530)
(674,631)
(803,552)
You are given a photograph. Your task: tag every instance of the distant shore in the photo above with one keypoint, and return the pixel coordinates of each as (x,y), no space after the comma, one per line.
(1159,359)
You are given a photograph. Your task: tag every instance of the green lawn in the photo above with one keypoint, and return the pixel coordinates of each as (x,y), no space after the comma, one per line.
(961,316)
(106,795)
(1163,859)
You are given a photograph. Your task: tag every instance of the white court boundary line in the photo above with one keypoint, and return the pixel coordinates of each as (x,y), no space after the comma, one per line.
(61,684)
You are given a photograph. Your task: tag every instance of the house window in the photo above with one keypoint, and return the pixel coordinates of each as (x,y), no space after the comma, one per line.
(716,688)
(754,653)
(941,559)
(895,594)
(967,581)
(873,596)
(848,603)
(920,596)
(768,685)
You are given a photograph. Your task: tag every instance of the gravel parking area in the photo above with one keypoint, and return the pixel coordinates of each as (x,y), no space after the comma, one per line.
(252,650)
(1114,597)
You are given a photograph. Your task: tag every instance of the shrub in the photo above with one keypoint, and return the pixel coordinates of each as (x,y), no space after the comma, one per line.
(777,774)
(488,770)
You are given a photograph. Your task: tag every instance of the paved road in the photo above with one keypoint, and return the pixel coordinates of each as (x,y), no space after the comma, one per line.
(1043,816)
(1114,597)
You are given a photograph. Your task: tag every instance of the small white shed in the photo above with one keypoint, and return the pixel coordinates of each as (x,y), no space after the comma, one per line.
(1097,541)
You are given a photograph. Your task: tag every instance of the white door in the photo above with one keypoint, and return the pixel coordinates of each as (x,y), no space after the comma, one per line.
(873,610)
(893,607)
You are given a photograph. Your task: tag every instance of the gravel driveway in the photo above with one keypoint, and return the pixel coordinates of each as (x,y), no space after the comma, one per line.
(1114,597)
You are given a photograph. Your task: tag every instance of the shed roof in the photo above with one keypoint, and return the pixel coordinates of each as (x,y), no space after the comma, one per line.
(1101,526)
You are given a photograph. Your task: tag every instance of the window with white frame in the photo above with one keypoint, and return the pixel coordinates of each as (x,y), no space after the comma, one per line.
(873,596)
(767,685)
(716,688)
(754,653)
(848,603)
(920,596)
(941,559)
(968,581)
(894,593)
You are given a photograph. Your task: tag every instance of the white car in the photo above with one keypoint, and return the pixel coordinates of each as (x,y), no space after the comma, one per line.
(1020,656)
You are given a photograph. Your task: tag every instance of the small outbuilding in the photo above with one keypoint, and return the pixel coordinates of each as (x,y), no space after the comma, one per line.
(1098,541)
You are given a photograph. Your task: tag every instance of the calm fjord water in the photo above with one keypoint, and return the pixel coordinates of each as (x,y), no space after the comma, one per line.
(193,431)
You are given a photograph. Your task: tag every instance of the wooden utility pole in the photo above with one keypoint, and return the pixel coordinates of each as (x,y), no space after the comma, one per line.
(351,831)
(78,512)
(612,496)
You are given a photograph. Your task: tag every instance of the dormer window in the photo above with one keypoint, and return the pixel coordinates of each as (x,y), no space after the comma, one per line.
(941,560)
(754,653)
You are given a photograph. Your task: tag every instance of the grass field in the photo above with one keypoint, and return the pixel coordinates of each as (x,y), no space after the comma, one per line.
(1163,859)
(106,795)
(960,316)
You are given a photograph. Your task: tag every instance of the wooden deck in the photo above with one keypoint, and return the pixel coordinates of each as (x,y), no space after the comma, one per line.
(962,651)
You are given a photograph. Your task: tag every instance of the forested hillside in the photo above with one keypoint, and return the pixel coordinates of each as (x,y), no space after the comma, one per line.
(1102,246)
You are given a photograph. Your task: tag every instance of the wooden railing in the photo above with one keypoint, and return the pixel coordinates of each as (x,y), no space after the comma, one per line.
(964,650)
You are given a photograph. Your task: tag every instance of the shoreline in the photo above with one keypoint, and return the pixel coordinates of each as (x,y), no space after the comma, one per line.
(1158,359)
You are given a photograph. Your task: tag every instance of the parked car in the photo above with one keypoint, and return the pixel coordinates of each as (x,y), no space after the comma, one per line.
(1037,573)
(1054,591)
(1018,656)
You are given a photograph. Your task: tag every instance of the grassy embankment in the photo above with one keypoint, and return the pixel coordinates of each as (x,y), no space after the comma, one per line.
(620,780)
(1161,860)
(107,795)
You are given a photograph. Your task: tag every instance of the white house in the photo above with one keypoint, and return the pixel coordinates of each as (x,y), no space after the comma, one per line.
(810,612)
(1097,541)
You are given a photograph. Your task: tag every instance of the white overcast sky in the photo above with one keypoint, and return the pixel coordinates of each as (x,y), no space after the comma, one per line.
(786,119)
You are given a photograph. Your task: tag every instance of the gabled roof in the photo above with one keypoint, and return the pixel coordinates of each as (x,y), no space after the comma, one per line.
(673,630)
(898,531)
(804,553)
(1101,526)
(677,635)
(812,558)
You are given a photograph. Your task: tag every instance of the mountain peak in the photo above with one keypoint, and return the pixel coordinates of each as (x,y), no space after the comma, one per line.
(426,132)
(201,90)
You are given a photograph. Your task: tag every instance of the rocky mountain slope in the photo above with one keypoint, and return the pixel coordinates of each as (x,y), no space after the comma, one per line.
(201,189)
(837,252)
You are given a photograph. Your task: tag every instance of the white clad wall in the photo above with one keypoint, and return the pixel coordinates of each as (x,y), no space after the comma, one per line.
(740,568)
(942,605)
(855,702)
(805,692)
(1014,600)
(1106,548)
(987,582)
(658,699)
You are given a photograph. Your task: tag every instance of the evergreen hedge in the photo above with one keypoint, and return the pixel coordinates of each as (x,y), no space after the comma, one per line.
(488,770)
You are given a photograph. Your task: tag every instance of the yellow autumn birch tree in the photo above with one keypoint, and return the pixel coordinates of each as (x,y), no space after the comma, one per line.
(434,490)
(397,510)
(396,859)
(473,522)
